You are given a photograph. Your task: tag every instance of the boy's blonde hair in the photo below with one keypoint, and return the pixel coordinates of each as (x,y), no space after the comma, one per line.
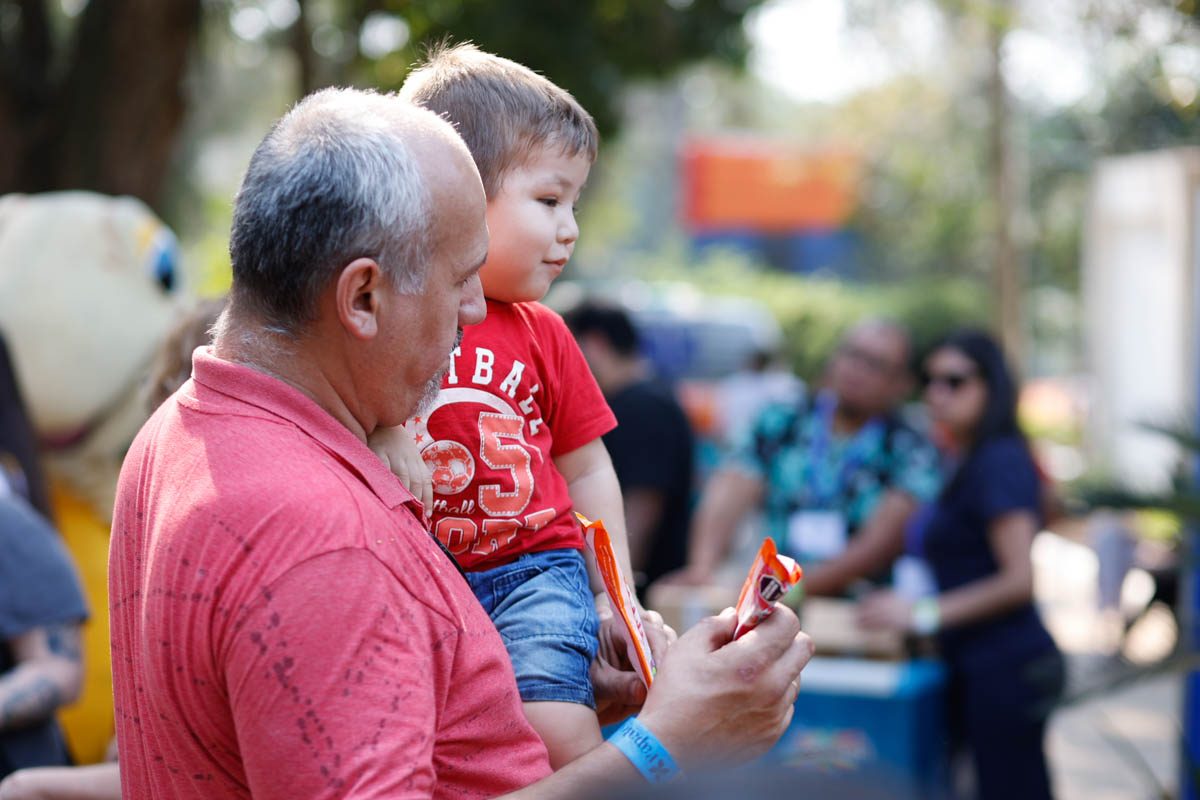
(504,111)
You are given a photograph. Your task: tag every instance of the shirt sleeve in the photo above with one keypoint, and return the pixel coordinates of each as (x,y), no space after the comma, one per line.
(580,412)
(915,466)
(333,683)
(1009,480)
(756,443)
(38,582)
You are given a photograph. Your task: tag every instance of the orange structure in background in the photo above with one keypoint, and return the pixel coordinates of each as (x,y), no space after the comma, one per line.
(753,184)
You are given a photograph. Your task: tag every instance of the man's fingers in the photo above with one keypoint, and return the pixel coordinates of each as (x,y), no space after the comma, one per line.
(614,686)
(784,674)
(712,632)
(774,634)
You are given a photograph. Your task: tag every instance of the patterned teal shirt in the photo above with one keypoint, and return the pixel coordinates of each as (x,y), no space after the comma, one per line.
(806,468)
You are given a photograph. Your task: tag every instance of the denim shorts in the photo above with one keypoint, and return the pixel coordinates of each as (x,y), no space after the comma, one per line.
(545,612)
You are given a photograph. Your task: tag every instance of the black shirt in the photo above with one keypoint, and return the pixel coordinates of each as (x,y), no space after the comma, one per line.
(652,448)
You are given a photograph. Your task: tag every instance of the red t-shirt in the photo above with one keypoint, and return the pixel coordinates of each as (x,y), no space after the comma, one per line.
(283,627)
(518,393)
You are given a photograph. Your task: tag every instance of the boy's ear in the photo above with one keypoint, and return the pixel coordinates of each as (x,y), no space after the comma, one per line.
(358,299)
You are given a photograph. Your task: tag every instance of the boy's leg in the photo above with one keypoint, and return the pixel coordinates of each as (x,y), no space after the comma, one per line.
(546,615)
(568,729)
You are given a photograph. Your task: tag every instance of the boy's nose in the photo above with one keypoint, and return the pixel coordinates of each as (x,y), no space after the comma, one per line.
(568,231)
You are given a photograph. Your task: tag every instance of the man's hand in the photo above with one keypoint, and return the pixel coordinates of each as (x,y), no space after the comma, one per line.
(720,701)
(397,449)
(619,692)
(618,688)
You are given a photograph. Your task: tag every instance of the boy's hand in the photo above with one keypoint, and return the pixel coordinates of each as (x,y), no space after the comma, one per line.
(612,635)
(397,449)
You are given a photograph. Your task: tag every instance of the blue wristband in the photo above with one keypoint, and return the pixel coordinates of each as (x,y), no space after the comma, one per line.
(637,743)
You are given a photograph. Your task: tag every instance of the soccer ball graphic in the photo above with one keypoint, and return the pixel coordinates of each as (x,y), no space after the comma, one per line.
(451,464)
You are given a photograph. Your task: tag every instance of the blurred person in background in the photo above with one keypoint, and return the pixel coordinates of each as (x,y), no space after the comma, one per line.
(762,380)
(41,612)
(19,466)
(1005,670)
(41,602)
(652,447)
(837,475)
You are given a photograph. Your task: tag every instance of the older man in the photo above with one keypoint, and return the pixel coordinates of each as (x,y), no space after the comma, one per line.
(282,624)
(837,475)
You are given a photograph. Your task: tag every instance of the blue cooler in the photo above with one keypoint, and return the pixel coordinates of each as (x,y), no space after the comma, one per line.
(877,717)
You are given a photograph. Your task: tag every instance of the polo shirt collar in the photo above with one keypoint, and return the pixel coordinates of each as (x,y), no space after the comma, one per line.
(246,386)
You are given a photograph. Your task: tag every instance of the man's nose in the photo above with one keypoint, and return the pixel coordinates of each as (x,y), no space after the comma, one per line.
(473,307)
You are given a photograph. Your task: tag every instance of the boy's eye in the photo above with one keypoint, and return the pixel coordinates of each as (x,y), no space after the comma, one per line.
(552,202)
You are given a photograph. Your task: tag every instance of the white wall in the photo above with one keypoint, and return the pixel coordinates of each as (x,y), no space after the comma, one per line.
(1139,309)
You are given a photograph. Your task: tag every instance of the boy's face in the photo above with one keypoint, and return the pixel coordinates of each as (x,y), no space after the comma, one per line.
(531,220)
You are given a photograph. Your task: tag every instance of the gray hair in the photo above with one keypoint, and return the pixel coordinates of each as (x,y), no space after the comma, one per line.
(331,182)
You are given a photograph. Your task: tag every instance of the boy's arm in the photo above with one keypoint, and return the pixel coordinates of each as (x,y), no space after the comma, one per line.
(595,493)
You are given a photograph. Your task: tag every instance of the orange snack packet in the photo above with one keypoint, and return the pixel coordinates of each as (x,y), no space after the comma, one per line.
(620,595)
(771,577)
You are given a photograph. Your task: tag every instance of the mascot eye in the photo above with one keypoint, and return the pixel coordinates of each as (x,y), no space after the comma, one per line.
(163,260)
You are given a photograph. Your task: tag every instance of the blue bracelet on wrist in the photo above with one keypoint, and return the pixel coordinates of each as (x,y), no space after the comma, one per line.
(638,744)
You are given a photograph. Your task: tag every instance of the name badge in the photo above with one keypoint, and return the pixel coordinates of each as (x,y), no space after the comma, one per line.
(817,535)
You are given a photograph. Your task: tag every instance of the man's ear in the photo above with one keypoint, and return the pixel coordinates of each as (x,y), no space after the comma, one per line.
(357,297)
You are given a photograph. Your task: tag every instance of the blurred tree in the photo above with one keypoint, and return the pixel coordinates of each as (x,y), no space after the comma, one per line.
(92,101)
(590,47)
(91,91)
(930,206)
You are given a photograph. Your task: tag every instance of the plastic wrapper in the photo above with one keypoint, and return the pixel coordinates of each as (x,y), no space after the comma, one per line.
(771,577)
(620,595)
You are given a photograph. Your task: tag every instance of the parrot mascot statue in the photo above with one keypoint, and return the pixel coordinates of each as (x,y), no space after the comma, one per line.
(89,287)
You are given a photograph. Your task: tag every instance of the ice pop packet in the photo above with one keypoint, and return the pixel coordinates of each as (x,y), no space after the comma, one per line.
(621,597)
(771,577)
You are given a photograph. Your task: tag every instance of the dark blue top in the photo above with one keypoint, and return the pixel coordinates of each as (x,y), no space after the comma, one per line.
(997,479)
(38,588)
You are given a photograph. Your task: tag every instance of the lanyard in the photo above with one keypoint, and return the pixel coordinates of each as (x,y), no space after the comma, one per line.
(855,454)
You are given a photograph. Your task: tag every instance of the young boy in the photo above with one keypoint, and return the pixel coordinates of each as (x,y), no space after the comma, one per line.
(513,438)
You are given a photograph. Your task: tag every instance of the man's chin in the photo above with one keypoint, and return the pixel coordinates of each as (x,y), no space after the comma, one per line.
(430,393)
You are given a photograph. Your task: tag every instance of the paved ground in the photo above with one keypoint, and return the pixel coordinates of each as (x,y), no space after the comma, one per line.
(1121,744)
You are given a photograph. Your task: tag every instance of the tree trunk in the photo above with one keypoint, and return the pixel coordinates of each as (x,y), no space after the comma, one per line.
(109,120)
(1006,263)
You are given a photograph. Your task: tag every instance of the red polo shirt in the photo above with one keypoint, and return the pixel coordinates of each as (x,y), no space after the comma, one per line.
(282,626)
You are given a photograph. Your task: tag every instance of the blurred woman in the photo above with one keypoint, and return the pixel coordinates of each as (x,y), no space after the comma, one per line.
(1005,670)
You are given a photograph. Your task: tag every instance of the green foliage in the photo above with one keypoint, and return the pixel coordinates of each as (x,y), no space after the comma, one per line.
(814,311)
(925,209)
(589,47)
(1179,505)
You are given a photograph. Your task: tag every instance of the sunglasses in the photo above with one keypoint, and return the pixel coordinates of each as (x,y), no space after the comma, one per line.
(951,380)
